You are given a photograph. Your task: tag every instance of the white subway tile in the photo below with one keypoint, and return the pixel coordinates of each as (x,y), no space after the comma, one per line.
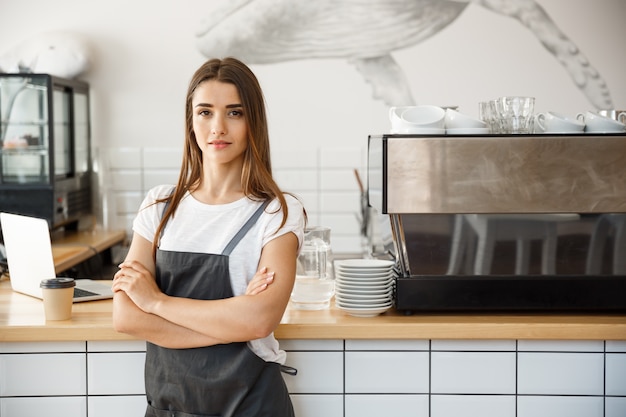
(342,224)
(337,179)
(408,345)
(473,372)
(317,405)
(35,374)
(616,346)
(116,346)
(154,177)
(310,344)
(615,407)
(340,202)
(122,158)
(386,405)
(294,159)
(560,346)
(348,157)
(163,158)
(318,372)
(346,244)
(127,202)
(43,347)
(472,405)
(117,405)
(548,406)
(297,179)
(473,345)
(616,374)
(116,373)
(387,372)
(126,180)
(560,373)
(44,406)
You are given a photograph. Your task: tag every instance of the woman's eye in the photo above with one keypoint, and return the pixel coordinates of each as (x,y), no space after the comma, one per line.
(235,113)
(204,113)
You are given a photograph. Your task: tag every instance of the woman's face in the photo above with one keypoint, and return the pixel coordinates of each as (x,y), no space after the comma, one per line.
(219,123)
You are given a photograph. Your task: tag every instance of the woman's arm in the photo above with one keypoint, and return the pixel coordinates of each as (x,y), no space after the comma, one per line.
(128,318)
(234,319)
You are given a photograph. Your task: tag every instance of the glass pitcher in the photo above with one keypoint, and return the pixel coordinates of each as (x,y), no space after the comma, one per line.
(315,284)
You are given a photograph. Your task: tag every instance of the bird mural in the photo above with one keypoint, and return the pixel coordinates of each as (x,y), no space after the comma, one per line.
(367,32)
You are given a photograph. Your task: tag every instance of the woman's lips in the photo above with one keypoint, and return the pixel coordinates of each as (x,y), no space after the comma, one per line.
(219,144)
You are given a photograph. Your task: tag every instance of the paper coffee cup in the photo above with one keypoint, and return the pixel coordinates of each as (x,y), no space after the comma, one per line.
(57,297)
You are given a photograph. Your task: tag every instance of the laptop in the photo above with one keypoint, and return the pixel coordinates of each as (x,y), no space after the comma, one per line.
(29,258)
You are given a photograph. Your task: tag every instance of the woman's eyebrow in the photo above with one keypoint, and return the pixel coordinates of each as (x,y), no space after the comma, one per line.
(228,106)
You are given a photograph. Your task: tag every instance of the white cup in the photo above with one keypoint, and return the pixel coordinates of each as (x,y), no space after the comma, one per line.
(395,118)
(619,115)
(595,123)
(457,120)
(425,116)
(553,122)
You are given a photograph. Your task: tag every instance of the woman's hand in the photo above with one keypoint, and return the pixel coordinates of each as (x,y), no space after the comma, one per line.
(260,281)
(138,284)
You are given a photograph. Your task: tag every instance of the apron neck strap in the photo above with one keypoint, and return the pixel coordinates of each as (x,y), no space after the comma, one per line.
(244,229)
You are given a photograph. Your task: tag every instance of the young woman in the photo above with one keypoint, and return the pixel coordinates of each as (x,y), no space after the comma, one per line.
(212,261)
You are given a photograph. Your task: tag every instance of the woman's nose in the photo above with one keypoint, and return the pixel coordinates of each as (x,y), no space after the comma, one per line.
(218,127)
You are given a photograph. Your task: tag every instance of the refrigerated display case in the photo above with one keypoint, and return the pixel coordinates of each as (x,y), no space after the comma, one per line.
(45,154)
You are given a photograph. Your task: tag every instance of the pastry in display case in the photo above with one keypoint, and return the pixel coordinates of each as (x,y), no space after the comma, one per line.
(45,163)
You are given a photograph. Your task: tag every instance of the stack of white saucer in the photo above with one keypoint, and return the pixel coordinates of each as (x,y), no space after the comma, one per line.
(364,287)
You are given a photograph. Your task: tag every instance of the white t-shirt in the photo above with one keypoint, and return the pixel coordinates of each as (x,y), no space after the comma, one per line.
(204,228)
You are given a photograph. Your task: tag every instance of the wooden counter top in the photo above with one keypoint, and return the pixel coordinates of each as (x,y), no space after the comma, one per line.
(71,248)
(22,320)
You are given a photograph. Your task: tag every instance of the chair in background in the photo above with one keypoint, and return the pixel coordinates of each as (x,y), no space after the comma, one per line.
(607,226)
(475,235)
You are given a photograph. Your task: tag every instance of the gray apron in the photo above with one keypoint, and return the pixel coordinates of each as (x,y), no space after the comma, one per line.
(221,380)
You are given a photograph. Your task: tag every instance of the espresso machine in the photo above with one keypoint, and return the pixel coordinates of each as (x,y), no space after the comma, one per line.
(533,222)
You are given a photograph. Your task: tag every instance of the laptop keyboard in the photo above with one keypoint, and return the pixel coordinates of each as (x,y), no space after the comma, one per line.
(82,293)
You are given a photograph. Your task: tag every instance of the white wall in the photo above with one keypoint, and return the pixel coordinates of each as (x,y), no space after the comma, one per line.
(144,54)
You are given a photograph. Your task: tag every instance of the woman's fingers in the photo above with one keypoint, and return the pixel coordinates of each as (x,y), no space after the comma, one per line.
(260,281)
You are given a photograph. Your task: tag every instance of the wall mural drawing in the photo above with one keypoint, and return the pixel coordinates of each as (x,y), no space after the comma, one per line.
(367,32)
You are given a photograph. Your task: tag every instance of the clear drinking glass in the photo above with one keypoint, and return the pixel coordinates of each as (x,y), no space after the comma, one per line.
(515,114)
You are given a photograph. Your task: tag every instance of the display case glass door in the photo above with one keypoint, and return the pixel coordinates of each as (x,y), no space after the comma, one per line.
(24,132)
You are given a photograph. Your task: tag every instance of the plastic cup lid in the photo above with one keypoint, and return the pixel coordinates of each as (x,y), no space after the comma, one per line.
(58,283)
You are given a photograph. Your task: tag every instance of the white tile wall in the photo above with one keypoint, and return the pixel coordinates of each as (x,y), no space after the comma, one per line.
(473,372)
(615,407)
(118,406)
(44,406)
(387,372)
(116,346)
(384,345)
(116,373)
(48,347)
(43,374)
(386,405)
(615,374)
(438,378)
(553,406)
(323,180)
(317,405)
(560,373)
(318,372)
(472,406)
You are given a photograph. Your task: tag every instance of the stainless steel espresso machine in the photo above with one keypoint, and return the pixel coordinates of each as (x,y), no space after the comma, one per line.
(504,222)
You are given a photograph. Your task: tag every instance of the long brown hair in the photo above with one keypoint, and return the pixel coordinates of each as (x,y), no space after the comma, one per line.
(256,177)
